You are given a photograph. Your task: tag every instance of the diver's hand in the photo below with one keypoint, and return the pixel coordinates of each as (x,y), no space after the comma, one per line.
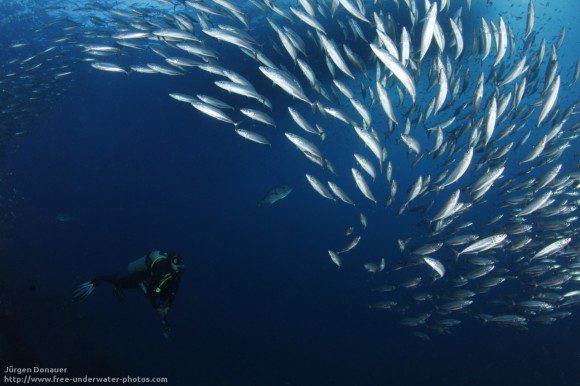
(163,311)
(165,328)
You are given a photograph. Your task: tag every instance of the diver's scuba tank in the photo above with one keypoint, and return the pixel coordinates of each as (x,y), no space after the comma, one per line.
(142,264)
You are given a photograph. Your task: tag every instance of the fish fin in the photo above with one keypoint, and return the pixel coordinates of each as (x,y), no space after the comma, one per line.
(456,254)
(313,105)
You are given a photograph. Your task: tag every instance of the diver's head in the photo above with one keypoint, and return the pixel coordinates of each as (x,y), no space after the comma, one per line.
(176,261)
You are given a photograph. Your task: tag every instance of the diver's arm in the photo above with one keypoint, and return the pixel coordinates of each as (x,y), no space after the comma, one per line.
(171,290)
(163,300)
(152,296)
(160,306)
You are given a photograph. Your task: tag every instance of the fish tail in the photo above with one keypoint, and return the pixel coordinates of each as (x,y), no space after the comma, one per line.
(456,254)
(313,105)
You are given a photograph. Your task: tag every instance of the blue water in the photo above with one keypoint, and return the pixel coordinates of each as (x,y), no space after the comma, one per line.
(260,303)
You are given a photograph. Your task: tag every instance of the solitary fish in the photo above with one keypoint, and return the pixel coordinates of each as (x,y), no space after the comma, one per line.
(275,194)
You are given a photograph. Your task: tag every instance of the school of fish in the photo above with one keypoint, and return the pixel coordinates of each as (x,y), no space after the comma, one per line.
(478,110)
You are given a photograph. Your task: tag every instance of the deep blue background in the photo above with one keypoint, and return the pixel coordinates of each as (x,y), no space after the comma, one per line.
(261,304)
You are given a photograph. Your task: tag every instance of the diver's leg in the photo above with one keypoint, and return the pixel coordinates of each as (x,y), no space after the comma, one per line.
(86,289)
(111,279)
(128,281)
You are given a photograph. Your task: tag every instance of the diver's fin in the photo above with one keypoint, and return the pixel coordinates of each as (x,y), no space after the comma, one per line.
(84,290)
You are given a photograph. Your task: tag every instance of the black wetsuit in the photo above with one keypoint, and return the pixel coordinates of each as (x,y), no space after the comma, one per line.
(159,281)
(162,283)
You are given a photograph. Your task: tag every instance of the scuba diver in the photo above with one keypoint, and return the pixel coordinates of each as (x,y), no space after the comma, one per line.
(157,274)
